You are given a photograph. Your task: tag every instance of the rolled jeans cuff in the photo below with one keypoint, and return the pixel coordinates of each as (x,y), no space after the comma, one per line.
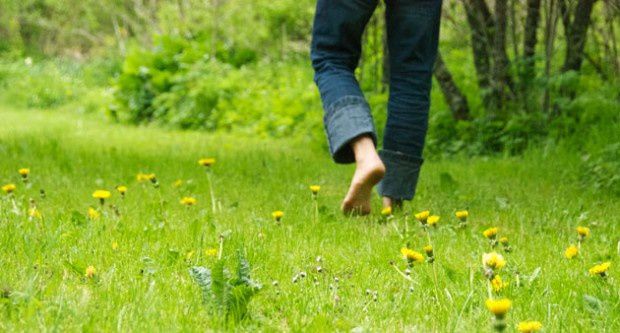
(345,119)
(401,176)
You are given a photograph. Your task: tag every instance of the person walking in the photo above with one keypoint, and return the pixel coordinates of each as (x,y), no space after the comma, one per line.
(412,37)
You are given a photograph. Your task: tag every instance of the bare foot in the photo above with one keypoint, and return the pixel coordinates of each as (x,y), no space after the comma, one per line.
(368,172)
(396,204)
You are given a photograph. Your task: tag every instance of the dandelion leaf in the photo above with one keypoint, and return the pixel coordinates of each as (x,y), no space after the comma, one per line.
(202,277)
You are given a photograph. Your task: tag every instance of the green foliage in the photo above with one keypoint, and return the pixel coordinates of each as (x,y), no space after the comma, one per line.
(600,170)
(178,84)
(229,297)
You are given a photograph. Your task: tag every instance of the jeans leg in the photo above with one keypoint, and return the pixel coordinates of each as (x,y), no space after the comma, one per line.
(413,34)
(336,48)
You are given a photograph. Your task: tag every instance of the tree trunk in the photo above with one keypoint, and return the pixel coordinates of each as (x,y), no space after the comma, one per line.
(551,21)
(576,35)
(480,44)
(451,92)
(529,41)
(500,61)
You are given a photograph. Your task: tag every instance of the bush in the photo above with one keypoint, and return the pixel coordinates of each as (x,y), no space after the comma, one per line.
(178,84)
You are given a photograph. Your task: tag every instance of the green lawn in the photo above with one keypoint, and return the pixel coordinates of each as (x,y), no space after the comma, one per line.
(144,284)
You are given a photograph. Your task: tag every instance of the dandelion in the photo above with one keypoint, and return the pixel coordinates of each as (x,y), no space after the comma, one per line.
(188,201)
(9,188)
(24,172)
(122,189)
(600,270)
(206,162)
(34,213)
(430,255)
(529,326)
(492,262)
(498,284)
(93,214)
(432,220)
(114,246)
(583,233)
(423,216)
(277,215)
(101,195)
(386,212)
(462,215)
(147,177)
(315,189)
(505,243)
(411,255)
(211,252)
(90,272)
(499,308)
(177,183)
(571,252)
(490,233)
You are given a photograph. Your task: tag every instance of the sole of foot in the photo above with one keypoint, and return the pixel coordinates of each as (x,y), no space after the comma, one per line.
(367,175)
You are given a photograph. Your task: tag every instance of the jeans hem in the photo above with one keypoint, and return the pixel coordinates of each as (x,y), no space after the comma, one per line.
(401,177)
(346,119)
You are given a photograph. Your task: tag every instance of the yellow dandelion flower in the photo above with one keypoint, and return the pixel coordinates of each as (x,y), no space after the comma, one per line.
(571,252)
(114,246)
(529,326)
(188,201)
(144,177)
(600,269)
(122,189)
(90,272)
(387,211)
(583,232)
(211,252)
(490,232)
(206,162)
(423,216)
(503,240)
(34,213)
(493,260)
(498,307)
(277,215)
(315,189)
(428,249)
(24,172)
(101,194)
(9,188)
(178,183)
(432,220)
(411,255)
(462,215)
(93,214)
(498,284)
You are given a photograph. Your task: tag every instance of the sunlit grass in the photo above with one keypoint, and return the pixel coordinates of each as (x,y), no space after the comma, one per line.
(128,268)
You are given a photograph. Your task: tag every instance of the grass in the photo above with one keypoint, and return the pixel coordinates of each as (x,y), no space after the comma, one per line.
(144,284)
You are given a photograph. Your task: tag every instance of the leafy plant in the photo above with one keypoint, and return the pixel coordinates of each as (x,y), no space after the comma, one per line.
(228,296)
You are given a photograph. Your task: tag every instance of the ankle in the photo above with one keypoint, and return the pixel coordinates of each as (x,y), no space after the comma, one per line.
(364,149)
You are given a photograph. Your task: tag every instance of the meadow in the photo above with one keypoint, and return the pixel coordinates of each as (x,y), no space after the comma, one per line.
(126,265)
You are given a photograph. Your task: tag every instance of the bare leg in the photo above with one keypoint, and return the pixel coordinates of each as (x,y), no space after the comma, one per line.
(368,172)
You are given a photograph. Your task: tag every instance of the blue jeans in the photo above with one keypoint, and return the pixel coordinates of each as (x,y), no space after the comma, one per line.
(412,34)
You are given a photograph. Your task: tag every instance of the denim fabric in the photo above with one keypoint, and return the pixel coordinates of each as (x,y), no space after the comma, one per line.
(412,33)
